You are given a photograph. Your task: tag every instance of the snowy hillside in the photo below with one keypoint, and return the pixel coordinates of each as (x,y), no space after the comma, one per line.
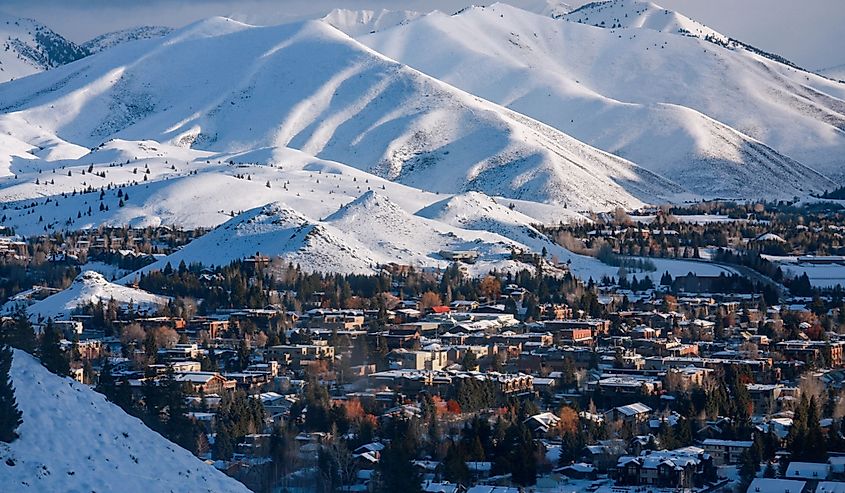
(30,47)
(340,101)
(639,14)
(112,39)
(369,231)
(72,439)
(92,287)
(655,98)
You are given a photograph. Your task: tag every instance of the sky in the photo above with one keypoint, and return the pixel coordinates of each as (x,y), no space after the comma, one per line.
(810,33)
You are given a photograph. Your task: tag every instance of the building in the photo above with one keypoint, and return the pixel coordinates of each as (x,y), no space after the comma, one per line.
(299,354)
(205,381)
(682,468)
(635,414)
(772,485)
(726,451)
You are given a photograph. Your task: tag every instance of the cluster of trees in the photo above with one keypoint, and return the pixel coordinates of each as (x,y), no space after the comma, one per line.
(237,416)
(507,443)
(609,257)
(161,405)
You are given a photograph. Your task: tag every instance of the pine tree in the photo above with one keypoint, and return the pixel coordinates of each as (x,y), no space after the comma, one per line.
(20,334)
(223,444)
(52,355)
(10,415)
(455,467)
(106,384)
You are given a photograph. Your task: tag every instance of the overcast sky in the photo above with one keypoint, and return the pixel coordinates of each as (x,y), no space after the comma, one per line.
(811,33)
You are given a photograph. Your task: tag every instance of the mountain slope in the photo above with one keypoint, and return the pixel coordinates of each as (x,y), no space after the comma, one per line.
(656,98)
(91,287)
(112,39)
(72,439)
(30,47)
(641,15)
(224,86)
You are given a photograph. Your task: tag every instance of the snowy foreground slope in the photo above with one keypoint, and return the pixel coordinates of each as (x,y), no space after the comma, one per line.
(721,121)
(90,288)
(73,440)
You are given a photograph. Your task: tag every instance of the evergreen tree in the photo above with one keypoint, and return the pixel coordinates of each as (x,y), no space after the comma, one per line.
(224,446)
(19,333)
(816,450)
(52,355)
(469,361)
(455,467)
(10,415)
(106,384)
(397,471)
(522,455)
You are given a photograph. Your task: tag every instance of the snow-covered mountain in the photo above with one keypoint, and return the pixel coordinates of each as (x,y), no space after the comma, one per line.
(73,439)
(224,86)
(30,47)
(92,287)
(112,39)
(657,98)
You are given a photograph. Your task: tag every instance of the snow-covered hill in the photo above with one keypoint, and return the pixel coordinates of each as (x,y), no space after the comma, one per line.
(641,14)
(722,121)
(29,47)
(224,86)
(92,287)
(72,439)
(112,39)
(361,235)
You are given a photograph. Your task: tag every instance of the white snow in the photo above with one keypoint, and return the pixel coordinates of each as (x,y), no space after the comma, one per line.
(72,439)
(723,122)
(215,86)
